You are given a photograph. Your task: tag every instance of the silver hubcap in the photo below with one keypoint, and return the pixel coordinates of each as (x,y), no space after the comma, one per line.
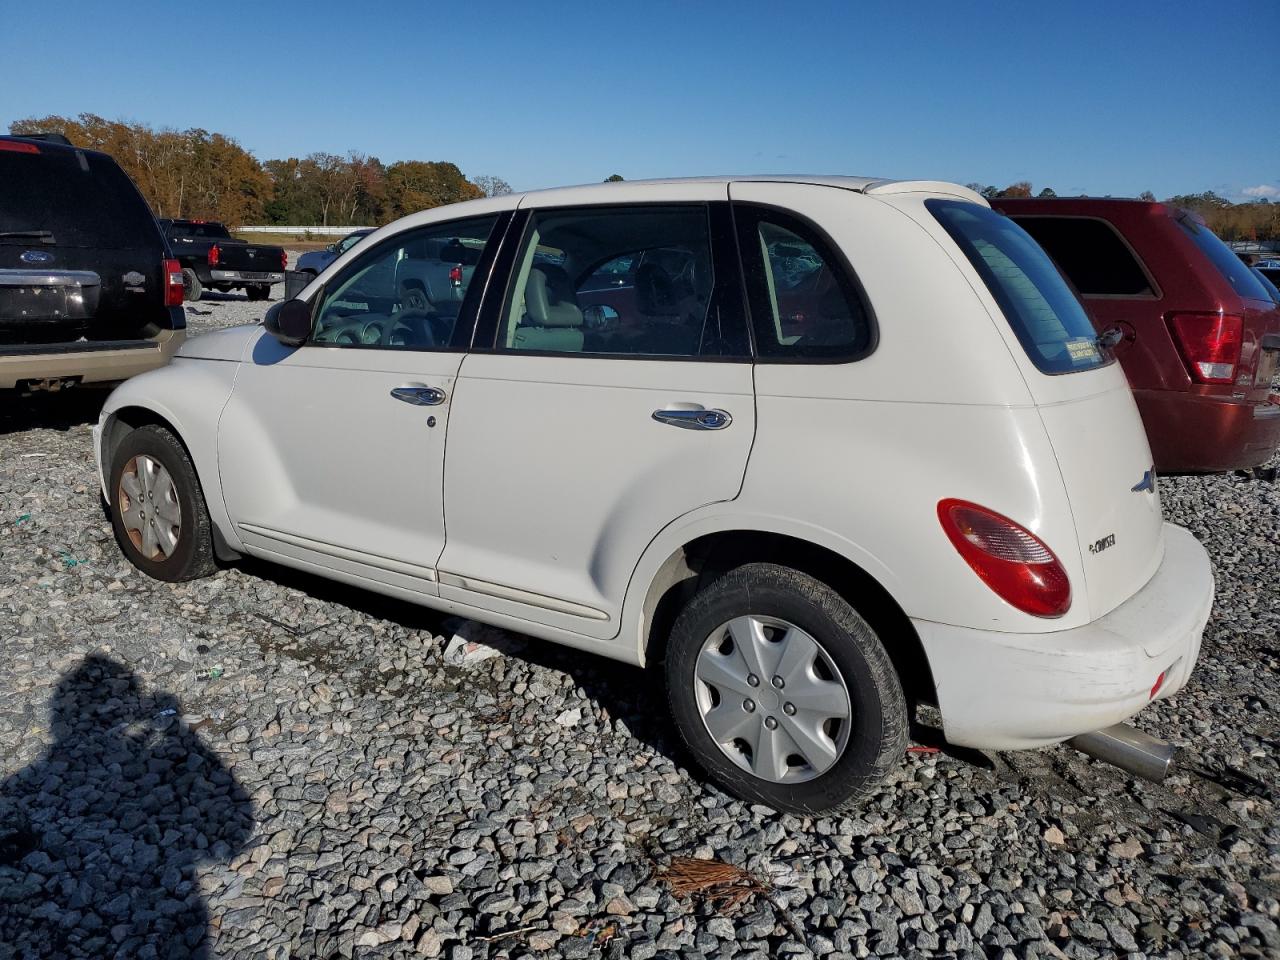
(772,699)
(149,507)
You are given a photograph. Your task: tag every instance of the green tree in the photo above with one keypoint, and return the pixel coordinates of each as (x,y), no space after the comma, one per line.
(1047,193)
(613,178)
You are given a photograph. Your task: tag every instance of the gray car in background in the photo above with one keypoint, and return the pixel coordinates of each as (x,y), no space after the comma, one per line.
(316,260)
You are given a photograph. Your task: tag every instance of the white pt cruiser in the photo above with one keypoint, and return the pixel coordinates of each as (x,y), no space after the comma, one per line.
(823,447)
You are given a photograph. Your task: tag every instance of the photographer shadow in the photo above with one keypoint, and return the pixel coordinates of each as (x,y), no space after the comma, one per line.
(100,838)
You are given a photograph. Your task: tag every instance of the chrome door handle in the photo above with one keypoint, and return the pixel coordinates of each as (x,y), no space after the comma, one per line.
(695,419)
(420,396)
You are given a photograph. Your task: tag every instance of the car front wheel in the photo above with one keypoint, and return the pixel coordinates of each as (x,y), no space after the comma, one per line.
(158,512)
(783,692)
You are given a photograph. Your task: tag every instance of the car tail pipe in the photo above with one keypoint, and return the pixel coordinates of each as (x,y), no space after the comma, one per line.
(1129,749)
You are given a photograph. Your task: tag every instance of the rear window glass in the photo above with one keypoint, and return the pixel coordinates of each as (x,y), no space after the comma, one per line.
(1049,321)
(1243,280)
(214,231)
(75,198)
(1091,254)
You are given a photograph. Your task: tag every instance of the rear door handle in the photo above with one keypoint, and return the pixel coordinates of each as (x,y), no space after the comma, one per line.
(694,418)
(420,396)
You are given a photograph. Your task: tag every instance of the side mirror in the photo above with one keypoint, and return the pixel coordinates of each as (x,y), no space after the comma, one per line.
(289,322)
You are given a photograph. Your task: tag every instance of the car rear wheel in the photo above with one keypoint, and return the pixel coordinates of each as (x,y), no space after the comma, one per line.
(158,512)
(783,692)
(191,287)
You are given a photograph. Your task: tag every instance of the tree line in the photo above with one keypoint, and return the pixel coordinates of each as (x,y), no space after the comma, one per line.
(1254,220)
(198,174)
(195,173)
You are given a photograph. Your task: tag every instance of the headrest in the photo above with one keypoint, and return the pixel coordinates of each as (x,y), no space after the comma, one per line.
(549,299)
(655,292)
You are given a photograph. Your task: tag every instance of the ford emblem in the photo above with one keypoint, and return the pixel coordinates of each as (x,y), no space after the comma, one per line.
(36,256)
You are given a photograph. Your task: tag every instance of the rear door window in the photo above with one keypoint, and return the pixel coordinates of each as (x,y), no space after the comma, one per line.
(1243,281)
(72,198)
(1091,254)
(1045,315)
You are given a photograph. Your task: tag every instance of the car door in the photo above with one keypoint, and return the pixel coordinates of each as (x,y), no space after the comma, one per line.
(332,454)
(573,444)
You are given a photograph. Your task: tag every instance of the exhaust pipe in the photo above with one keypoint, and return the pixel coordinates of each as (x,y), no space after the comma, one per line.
(1129,749)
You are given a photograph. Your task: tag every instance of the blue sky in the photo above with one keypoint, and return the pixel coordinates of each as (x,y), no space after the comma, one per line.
(1101,97)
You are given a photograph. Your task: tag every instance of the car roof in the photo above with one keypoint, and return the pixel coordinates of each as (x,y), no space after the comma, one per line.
(840,181)
(51,146)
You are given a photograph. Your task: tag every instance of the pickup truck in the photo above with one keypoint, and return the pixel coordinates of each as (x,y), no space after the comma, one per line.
(211,258)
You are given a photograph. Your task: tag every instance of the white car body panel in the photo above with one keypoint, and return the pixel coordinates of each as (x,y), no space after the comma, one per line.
(547,500)
(558,476)
(338,472)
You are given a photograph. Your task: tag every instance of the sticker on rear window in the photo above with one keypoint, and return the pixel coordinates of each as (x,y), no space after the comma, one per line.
(1083,350)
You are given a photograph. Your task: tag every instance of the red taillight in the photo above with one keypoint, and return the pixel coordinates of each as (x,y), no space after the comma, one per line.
(284,260)
(1210,345)
(14,146)
(455,275)
(172,283)
(1010,559)
(214,255)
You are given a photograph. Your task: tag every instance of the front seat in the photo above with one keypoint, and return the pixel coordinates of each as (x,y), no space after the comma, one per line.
(553,320)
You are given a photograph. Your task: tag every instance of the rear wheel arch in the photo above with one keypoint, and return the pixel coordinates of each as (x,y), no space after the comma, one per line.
(710,556)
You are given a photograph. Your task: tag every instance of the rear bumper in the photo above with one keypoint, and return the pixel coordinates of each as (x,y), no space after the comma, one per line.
(1196,434)
(237,276)
(104,362)
(1008,691)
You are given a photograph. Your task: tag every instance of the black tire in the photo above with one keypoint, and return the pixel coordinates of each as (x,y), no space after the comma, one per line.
(191,286)
(258,291)
(877,736)
(192,555)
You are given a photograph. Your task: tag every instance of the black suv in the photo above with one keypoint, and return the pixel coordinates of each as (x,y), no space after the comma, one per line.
(89,292)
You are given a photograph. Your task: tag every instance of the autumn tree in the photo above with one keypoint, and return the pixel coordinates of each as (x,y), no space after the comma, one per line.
(414,185)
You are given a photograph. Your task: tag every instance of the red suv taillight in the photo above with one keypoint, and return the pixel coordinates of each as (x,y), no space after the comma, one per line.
(1010,559)
(1210,345)
(214,255)
(172,283)
(284,260)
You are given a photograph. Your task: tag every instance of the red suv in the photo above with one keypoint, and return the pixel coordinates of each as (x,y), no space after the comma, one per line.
(1200,335)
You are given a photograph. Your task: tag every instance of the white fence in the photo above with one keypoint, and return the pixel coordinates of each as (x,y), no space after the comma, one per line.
(314,231)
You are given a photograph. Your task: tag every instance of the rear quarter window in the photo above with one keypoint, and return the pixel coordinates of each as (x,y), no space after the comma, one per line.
(1044,313)
(83,198)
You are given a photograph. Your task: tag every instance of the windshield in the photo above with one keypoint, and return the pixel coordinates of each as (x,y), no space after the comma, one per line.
(71,198)
(1045,315)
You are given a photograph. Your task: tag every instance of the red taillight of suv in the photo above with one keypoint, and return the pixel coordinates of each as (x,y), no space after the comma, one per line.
(214,255)
(1209,344)
(284,260)
(172,283)
(1010,559)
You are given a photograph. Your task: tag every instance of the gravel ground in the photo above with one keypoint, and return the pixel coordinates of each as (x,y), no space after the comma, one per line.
(265,764)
